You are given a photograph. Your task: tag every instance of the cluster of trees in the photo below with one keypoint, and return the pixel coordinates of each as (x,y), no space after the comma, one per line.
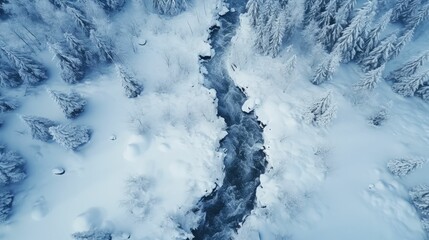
(345,33)
(12,171)
(69,136)
(92,235)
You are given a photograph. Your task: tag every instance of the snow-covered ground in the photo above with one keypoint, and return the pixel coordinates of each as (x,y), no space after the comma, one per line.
(169,136)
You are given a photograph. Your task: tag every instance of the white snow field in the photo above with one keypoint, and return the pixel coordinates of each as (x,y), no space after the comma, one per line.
(168,135)
(151,157)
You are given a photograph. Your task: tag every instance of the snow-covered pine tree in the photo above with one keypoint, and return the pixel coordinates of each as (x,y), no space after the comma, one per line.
(12,168)
(403,166)
(325,20)
(7,104)
(9,77)
(373,37)
(402,41)
(325,70)
(409,68)
(79,16)
(6,201)
(423,92)
(72,67)
(371,78)
(29,70)
(408,85)
(93,235)
(79,48)
(253,10)
(277,34)
(132,87)
(170,7)
(420,197)
(342,18)
(404,10)
(111,5)
(39,127)
(380,54)
(70,136)
(379,117)
(352,38)
(72,104)
(418,17)
(104,45)
(322,111)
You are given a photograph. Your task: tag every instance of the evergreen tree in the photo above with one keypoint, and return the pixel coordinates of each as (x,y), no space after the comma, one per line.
(404,10)
(418,17)
(81,19)
(408,68)
(380,54)
(6,201)
(352,38)
(371,79)
(253,11)
(420,198)
(29,70)
(111,5)
(322,112)
(423,92)
(9,77)
(325,70)
(12,168)
(93,235)
(72,104)
(39,127)
(70,136)
(372,40)
(402,41)
(7,105)
(131,86)
(104,45)
(170,7)
(333,31)
(408,85)
(72,67)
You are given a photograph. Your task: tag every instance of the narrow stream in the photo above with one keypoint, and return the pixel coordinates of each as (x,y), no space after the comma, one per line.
(227,206)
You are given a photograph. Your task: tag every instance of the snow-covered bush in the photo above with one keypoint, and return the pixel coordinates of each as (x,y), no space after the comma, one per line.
(131,86)
(138,199)
(31,71)
(379,118)
(39,127)
(322,111)
(70,136)
(72,104)
(12,168)
(7,105)
(93,235)
(6,201)
(170,7)
(403,166)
